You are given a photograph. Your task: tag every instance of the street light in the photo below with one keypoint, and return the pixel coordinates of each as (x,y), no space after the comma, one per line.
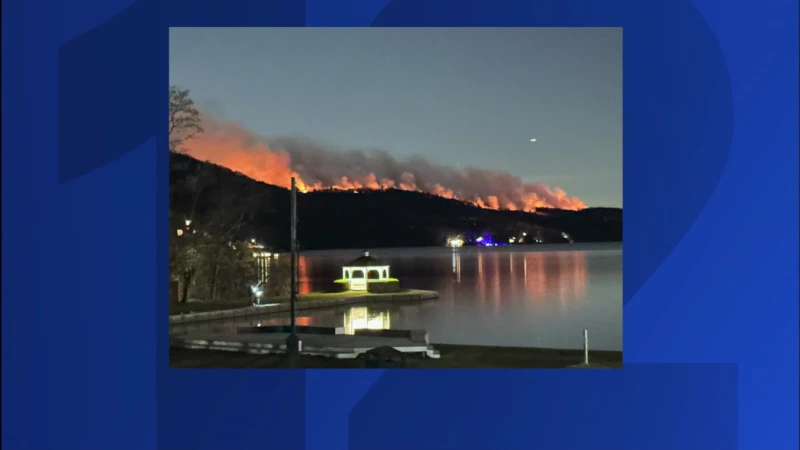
(257,291)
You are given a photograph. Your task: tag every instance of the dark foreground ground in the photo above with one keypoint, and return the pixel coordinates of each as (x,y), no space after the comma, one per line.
(452,356)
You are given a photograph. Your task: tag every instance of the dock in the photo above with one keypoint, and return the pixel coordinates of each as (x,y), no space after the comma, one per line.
(315,342)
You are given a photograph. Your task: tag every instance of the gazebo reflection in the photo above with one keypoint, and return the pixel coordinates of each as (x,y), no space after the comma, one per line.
(364,318)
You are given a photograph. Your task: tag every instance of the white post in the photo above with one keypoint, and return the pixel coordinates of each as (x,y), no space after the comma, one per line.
(586,347)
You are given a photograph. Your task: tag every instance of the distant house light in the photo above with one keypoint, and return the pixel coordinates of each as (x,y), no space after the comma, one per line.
(455,242)
(188,222)
(180,232)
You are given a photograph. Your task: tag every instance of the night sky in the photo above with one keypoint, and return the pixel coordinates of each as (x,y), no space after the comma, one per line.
(458,96)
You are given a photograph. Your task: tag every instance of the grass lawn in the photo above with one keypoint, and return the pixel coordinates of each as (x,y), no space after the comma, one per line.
(452,356)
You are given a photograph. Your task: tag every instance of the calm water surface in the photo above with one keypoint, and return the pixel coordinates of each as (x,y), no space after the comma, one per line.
(528,296)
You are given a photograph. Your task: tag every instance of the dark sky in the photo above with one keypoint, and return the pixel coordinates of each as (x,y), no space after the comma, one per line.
(459,96)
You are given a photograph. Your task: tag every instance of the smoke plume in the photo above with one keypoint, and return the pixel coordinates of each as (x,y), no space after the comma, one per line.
(276,160)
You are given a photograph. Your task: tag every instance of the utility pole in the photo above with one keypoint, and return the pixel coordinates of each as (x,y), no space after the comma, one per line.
(293,341)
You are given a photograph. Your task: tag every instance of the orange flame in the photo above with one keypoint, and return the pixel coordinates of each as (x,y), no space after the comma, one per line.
(231,146)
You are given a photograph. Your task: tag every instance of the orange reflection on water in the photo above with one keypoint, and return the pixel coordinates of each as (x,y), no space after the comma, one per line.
(303,282)
(575,273)
(496,281)
(303,321)
(535,277)
(514,277)
(562,274)
(481,282)
(541,275)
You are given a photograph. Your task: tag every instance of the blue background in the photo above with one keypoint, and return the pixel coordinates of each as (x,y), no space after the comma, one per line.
(711,245)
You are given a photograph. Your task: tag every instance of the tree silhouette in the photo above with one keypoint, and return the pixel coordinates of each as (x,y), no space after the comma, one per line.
(184,119)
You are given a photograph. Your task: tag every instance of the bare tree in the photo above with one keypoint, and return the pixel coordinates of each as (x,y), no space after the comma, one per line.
(184,119)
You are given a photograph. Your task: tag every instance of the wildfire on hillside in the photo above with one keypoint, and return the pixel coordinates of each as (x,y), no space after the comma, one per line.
(275,161)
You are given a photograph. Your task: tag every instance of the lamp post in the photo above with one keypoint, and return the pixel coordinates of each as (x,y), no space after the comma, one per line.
(257,291)
(293,341)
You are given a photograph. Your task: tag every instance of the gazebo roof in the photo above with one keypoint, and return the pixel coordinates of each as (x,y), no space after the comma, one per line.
(364,261)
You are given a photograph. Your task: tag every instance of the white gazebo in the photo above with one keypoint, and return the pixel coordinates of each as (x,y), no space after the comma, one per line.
(362,269)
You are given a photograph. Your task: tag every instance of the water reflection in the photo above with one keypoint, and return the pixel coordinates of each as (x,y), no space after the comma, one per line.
(515,296)
(303,281)
(351,318)
(457,265)
(496,280)
(481,281)
(365,318)
(562,274)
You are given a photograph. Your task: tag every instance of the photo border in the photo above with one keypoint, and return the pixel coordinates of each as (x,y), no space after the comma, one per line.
(710,267)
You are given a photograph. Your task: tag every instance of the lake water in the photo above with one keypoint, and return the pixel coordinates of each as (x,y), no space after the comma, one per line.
(525,296)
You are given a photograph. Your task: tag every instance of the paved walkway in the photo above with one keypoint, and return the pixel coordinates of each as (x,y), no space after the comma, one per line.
(336,345)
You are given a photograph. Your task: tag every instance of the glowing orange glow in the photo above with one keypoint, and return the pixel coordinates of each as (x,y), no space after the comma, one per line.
(303,282)
(496,281)
(232,146)
(481,278)
(574,279)
(566,276)
(536,276)
(442,191)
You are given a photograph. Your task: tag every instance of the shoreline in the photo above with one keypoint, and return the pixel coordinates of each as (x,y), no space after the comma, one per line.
(277,305)
(545,246)
(452,356)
